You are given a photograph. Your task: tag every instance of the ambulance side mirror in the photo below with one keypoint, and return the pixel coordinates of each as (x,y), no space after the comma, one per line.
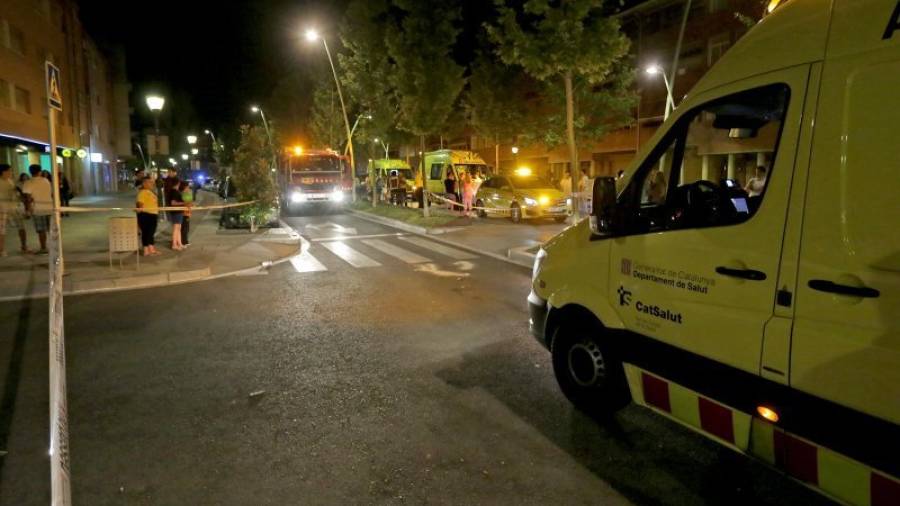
(603,205)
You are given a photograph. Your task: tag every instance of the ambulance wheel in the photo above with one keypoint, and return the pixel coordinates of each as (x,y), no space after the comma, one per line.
(587,371)
(481,212)
(515,213)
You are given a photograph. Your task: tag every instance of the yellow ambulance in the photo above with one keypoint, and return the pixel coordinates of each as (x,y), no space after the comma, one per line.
(763,313)
(442,163)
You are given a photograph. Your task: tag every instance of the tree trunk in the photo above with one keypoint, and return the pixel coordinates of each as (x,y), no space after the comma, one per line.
(570,137)
(425,212)
(496,154)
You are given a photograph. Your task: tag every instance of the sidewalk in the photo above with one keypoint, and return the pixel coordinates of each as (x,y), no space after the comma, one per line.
(213,252)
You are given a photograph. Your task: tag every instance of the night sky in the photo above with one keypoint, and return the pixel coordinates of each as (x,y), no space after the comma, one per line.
(211,58)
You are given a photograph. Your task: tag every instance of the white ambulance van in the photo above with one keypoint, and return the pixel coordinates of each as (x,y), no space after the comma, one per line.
(763,311)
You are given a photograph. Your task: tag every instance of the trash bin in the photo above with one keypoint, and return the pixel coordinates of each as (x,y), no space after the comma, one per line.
(123,238)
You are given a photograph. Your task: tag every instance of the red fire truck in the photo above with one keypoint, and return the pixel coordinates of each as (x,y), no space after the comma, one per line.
(314,178)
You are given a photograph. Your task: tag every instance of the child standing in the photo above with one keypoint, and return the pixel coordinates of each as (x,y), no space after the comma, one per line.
(187,199)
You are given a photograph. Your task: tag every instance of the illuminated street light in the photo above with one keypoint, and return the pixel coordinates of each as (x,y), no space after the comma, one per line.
(256,109)
(384,146)
(515,150)
(195,151)
(155,102)
(184,156)
(670,102)
(192,139)
(298,150)
(311,36)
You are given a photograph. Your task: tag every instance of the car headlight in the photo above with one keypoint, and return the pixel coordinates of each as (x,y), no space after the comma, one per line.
(337,196)
(298,197)
(544,200)
(569,201)
(538,263)
(530,201)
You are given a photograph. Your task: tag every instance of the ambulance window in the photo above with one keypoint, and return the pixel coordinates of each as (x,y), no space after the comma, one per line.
(715,168)
(436,170)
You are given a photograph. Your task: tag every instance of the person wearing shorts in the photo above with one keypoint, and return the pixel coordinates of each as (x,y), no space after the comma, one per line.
(39,203)
(173,198)
(10,216)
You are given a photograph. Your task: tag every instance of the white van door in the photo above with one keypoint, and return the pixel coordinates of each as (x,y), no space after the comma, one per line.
(846,337)
(697,268)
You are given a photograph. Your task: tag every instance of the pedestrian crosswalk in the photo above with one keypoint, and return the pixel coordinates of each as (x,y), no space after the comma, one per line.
(349,255)
(359,253)
(456,254)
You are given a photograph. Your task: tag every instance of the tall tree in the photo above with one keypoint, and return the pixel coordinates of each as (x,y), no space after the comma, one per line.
(425,78)
(253,177)
(500,101)
(567,42)
(325,118)
(366,67)
(290,102)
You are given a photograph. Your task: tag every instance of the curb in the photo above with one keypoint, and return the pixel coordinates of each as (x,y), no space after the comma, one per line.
(406,227)
(434,236)
(161,279)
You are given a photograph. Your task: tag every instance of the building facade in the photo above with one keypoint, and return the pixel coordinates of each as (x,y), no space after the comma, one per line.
(653,27)
(92,130)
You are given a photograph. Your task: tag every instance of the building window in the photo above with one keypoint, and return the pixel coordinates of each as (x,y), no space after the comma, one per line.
(16,40)
(5,101)
(718,45)
(23,100)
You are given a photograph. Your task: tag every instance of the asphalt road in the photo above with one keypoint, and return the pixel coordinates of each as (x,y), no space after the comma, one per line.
(373,370)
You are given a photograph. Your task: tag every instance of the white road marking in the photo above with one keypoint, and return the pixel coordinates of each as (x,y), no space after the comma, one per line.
(396,252)
(341,238)
(349,255)
(305,262)
(332,226)
(453,253)
(464,266)
(436,271)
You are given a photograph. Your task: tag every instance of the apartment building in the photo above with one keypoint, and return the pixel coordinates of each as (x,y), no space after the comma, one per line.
(93,128)
(653,27)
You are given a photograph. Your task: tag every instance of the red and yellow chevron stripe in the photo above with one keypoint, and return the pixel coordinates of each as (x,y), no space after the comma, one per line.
(829,472)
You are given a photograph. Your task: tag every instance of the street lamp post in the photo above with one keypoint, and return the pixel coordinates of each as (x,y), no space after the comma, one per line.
(312,36)
(192,141)
(156,103)
(670,101)
(265,123)
(515,152)
(352,130)
(212,136)
(384,146)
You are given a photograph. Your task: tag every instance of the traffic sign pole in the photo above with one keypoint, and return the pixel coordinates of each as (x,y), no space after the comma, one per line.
(60,486)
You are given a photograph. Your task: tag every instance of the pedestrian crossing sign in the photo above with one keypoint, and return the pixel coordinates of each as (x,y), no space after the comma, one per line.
(54,95)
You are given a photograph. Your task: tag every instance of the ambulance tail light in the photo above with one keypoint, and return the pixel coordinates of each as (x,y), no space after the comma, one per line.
(768,413)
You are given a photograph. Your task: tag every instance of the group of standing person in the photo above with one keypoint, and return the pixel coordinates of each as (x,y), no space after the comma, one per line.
(28,198)
(464,189)
(176,193)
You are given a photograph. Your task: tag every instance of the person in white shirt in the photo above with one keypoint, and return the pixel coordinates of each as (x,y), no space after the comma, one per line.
(39,203)
(757,184)
(565,184)
(10,216)
(584,184)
